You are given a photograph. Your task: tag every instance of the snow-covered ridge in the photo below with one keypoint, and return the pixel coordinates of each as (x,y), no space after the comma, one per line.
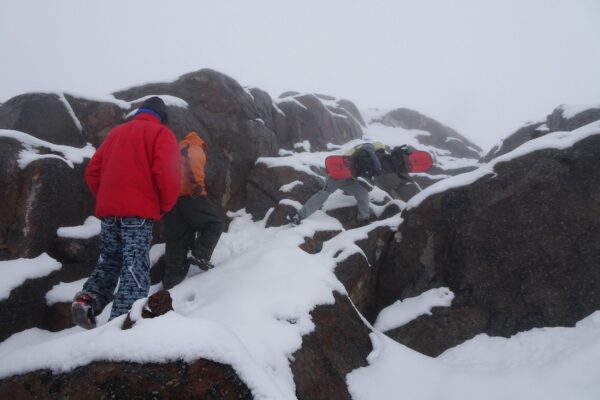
(556,140)
(31,144)
(170,101)
(222,315)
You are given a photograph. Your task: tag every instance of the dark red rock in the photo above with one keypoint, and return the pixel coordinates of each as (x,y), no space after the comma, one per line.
(158,304)
(202,379)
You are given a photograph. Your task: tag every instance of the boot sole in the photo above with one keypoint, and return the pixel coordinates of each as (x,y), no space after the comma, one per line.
(80,317)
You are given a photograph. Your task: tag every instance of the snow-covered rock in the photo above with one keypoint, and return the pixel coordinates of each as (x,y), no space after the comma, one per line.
(516,241)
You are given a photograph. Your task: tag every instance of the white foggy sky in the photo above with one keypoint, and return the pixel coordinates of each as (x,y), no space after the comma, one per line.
(483,67)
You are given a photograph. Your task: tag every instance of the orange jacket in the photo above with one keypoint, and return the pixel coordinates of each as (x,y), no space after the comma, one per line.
(193,160)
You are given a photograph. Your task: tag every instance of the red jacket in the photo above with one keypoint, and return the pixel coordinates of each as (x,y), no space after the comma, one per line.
(135,172)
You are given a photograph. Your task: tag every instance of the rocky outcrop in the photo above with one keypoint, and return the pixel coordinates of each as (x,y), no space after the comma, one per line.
(521,136)
(202,379)
(519,250)
(265,187)
(318,119)
(558,120)
(439,136)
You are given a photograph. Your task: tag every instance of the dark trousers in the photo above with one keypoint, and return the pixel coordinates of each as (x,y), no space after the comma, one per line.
(191,225)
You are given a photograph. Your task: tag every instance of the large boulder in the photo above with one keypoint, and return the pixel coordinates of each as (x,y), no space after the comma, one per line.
(47,116)
(202,379)
(317,119)
(267,186)
(519,249)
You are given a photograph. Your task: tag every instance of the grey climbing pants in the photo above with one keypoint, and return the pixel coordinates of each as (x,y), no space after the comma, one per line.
(349,186)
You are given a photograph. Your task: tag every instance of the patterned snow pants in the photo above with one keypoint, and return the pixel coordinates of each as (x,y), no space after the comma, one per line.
(124,257)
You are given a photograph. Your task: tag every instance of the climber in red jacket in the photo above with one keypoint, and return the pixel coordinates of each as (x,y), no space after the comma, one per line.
(134,176)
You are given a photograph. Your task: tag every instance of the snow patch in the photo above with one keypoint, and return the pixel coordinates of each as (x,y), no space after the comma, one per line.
(14,273)
(403,311)
(290,186)
(90,228)
(64,292)
(70,155)
(169,100)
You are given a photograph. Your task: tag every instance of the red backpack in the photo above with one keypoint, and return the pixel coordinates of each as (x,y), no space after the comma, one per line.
(338,167)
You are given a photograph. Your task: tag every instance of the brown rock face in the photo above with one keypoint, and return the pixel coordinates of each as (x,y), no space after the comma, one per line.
(308,117)
(96,118)
(519,250)
(50,195)
(42,115)
(339,344)
(201,379)
(264,185)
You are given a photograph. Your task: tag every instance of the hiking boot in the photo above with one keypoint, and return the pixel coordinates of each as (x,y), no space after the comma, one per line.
(82,310)
(294,219)
(201,263)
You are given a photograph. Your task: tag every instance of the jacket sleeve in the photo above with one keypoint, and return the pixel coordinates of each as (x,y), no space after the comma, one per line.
(94,170)
(165,169)
(197,160)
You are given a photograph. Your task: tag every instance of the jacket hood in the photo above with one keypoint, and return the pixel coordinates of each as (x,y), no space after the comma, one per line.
(192,139)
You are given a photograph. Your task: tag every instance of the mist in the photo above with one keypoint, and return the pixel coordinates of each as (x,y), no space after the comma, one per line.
(481,67)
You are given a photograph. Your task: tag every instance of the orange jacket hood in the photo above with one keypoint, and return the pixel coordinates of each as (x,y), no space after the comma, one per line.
(192,165)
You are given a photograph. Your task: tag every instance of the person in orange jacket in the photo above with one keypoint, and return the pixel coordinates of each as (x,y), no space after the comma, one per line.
(192,228)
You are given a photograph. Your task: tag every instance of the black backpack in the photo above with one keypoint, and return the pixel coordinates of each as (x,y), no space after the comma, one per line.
(399,160)
(362,164)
